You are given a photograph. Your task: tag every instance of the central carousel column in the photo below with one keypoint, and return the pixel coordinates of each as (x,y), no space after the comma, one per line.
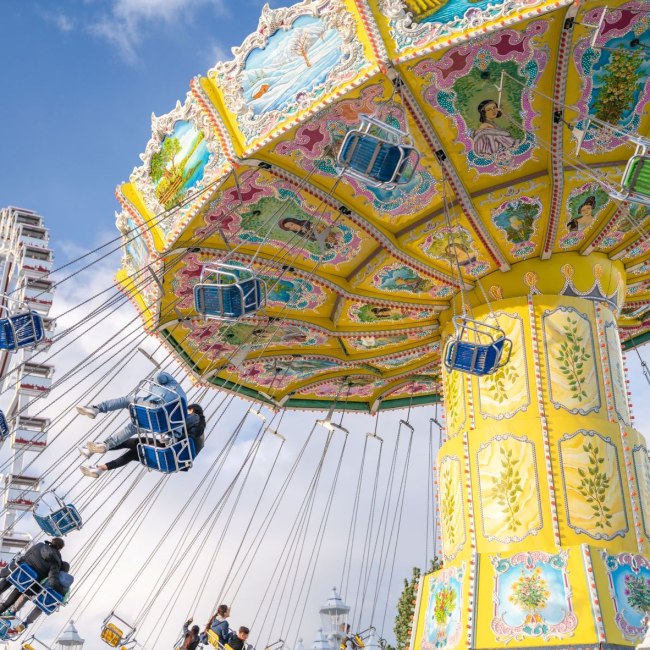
(543,484)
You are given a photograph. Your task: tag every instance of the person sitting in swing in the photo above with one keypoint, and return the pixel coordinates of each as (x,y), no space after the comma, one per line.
(45,559)
(237,640)
(191,636)
(65,581)
(164,389)
(219,625)
(195,429)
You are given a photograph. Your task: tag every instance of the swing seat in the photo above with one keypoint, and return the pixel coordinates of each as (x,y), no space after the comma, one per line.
(25,579)
(168,460)
(5,626)
(635,183)
(4,427)
(229,292)
(163,417)
(60,520)
(111,634)
(476,348)
(21,330)
(48,600)
(383,159)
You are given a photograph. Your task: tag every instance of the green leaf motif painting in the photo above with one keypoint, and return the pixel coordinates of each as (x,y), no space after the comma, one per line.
(594,486)
(572,357)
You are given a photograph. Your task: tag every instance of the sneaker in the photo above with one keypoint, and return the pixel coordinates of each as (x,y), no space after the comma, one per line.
(90,411)
(91,472)
(17,629)
(84,451)
(96,447)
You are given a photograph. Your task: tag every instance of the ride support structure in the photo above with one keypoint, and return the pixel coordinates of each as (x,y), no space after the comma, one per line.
(544,493)
(25,263)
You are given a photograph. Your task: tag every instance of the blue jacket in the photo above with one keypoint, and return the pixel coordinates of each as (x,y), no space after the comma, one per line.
(166,388)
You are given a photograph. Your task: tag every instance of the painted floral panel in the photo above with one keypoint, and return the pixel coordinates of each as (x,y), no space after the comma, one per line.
(592,485)
(452,505)
(571,360)
(508,489)
(629,586)
(505,392)
(532,597)
(442,628)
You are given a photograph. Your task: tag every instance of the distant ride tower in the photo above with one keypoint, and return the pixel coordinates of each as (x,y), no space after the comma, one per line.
(25,264)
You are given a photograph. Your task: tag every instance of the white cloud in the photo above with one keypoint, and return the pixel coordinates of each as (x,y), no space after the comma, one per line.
(62,21)
(128,21)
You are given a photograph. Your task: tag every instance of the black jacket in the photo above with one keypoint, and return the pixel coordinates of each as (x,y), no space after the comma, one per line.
(46,561)
(195,431)
(188,635)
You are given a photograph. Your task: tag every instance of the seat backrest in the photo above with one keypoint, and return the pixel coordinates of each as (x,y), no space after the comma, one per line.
(167,459)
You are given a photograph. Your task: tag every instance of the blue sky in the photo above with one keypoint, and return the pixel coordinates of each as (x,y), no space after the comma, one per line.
(79,82)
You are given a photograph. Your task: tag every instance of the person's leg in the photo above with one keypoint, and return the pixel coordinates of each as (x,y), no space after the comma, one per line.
(115,439)
(114,404)
(4,585)
(130,456)
(32,616)
(11,599)
(19,603)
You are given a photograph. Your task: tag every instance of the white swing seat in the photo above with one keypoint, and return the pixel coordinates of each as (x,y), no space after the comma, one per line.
(229,292)
(59,519)
(476,348)
(382,158)
(635,183)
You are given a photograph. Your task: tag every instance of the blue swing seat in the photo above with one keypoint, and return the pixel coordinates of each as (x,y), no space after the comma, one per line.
(476,348)
(25,579)
(60,522)
(228,292)
(4,427)
(163,417)
(21,330)
(48,600)
(385,158)
(5,626)
(168,460)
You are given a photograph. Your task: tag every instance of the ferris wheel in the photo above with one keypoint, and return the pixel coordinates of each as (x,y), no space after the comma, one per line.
(25,261)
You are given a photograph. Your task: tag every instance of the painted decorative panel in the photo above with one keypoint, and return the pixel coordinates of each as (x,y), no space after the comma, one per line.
(585,206)
(634,218)
(135,254)
(518,220)
(592,485)
(642,476)
(615,77)
(505,392)
(183,156)
(443,620)
(617,372)
(496,138)
(279,216)
(415,23)
(452,506)
(532,597)
(454,383)
(508,489)
(315,144)
(629,587)
(297,57)
(570,360)
(360,312)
